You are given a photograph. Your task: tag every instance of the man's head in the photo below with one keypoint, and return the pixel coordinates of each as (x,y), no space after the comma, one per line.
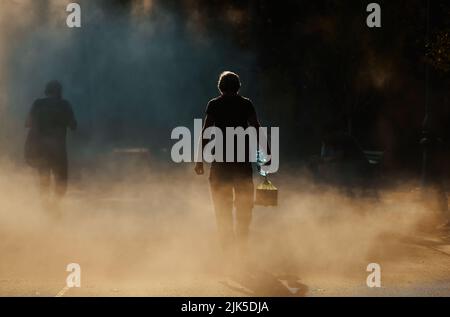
(229,83)
(53,89)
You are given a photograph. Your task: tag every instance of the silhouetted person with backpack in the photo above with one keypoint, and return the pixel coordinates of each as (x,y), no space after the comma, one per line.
(231,183)
(45,148)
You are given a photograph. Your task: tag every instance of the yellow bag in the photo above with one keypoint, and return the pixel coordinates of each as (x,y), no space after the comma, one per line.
(266,194)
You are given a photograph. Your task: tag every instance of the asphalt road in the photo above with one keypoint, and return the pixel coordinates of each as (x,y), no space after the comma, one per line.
(155,240)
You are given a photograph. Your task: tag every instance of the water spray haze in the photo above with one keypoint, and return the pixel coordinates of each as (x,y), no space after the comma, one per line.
(138,223)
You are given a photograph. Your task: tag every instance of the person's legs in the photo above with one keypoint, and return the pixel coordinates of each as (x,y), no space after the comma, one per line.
(44,182)
(60,173)
(222,196)
(244,201)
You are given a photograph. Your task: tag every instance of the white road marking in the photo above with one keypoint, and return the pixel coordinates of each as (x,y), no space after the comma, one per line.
(293,290)
(62,292)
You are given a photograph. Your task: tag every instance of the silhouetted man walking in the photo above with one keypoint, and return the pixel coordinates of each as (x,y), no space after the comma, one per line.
(231,110)
(45,147)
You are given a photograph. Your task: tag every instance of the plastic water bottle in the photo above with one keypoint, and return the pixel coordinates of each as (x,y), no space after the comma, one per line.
(266,192)
(261,160)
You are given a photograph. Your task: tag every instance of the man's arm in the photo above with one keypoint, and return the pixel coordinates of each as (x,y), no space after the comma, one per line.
(30,117)
(253,120)
(261,137)
(208,122)
(71,121)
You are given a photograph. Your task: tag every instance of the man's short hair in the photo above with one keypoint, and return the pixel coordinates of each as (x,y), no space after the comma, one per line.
(229,82)
(53,88)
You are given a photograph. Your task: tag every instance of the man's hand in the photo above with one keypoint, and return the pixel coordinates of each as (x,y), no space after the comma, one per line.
(199,168)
